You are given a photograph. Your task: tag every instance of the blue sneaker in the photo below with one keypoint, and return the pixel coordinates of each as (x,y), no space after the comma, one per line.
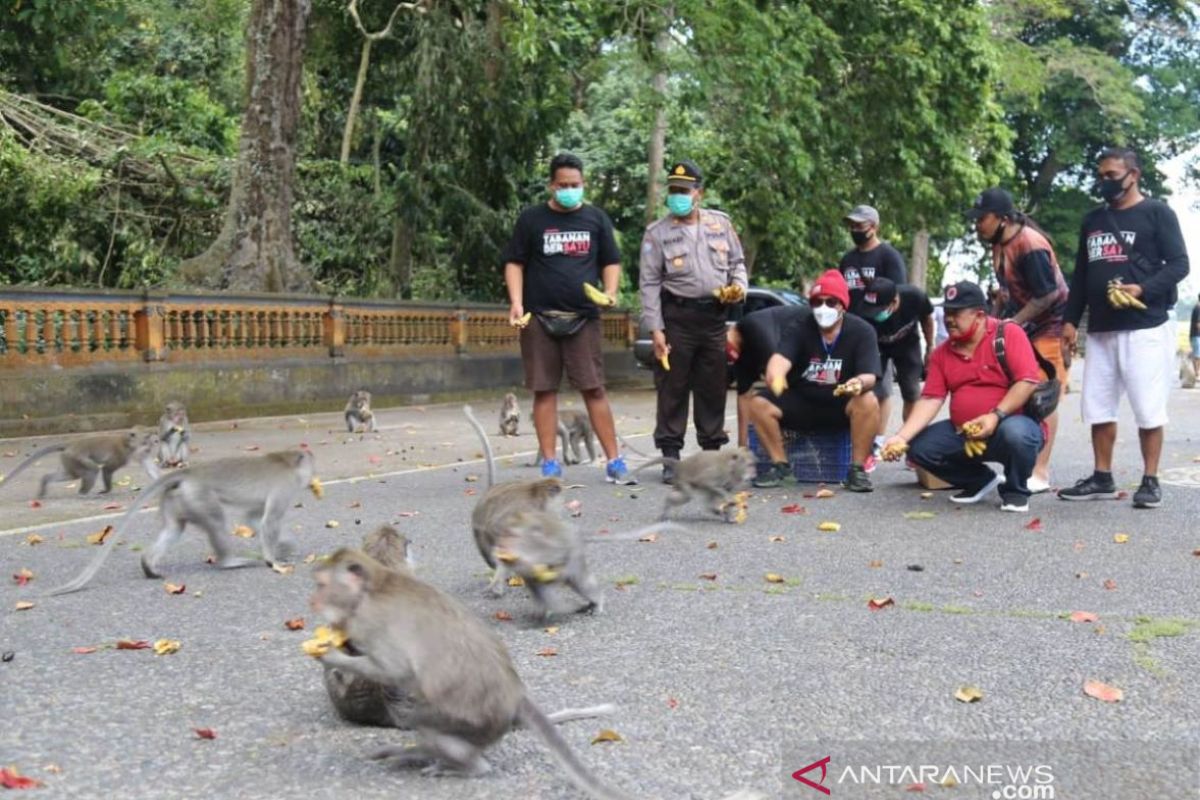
(616,472)
(551,468)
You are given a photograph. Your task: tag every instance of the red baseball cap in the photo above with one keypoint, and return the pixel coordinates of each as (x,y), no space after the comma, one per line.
(831,284)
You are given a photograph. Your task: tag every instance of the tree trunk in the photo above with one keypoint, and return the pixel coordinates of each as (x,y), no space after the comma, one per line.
(1047,172)
(658,134)
(401,261)
(919,264)
(364,63)
(254,250)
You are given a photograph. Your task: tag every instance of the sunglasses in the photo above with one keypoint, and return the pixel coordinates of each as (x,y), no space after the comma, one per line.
(832,302)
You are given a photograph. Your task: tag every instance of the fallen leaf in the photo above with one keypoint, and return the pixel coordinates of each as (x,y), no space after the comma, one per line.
(793,508)
(1196,552)
(99,536)
(926,495)
(133,644)
(777,539)
(1083,616)
(11,779)
(250,448)
(174,588)
(1122,495)
(823,494)
(649,537)
(919,515)
(471,478)
(333,523)
(33,539)
(1110,584)
(503,616)
(1079,546)
(24,576)
(355,504)
(547,652)
(83,651)
(113,507)
(708,576)
(772,577)
(672,703)
(375,459)
(968,694)
(296,624)
(829,527)
(23,605)
(516,580)
(915,787)
(243,532)
(284,569)
(205,733)
(575,507)
(875,564)
(876,603)
(607,735)
(1034,524)
(35,503)
(1121,538)
(1102,691)
(553,629)
(711,546)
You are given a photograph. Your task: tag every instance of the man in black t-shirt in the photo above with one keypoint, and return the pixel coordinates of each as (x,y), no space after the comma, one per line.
(820,378)
(896,312)
(1194,336)
(556,248)
(871,257)
(751,343)
(1134,245)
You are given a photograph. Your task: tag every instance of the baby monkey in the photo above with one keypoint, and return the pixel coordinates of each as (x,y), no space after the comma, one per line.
(574,432)
(510,415)
(358,412)
(174,436)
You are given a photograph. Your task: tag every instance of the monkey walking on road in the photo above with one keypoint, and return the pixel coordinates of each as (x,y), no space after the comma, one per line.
(254,490)
(102,455)
(466,693)
(715,474)
(174,436)
(575,433)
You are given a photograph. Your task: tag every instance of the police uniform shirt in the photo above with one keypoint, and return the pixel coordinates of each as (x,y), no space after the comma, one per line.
(688,259)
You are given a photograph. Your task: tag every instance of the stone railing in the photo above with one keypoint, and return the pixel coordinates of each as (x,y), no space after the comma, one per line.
(69,328)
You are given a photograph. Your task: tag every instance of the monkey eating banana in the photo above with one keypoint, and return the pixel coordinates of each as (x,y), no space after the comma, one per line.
(87,458)
(174,436)
(254,490)
(465,689)
(358,412)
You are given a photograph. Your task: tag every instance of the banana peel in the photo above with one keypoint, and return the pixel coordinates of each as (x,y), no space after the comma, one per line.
(523,320)
(730,294)
(598,297)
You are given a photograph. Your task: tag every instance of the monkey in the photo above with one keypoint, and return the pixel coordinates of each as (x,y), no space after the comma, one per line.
(574,429)
(102,455)
(466,691)
(501,501)
(716,474)
(365,702)
(358,412)
(254,490)
(174,434)
(510,415)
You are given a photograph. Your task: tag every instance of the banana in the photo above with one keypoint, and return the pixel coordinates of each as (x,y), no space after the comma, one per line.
(666,362)
(779,386)
(524,320)
(1131,301)
(598,297)
(894,452)
(852,387)
(974,448)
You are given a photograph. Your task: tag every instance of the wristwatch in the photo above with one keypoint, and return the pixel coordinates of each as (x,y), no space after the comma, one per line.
(1000,415)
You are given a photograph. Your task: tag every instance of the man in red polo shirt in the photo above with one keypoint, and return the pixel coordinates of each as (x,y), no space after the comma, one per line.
(965,367)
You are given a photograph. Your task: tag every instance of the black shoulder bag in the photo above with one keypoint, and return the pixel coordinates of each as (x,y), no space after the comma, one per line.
(1144,268)
(1045,397)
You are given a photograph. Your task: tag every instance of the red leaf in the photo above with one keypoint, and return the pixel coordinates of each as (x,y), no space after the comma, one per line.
(1083,616)
(1110,584)
(375,459)
(205,733)
(83,651)
(23,577)
(915,787)
(1034,524)
(113,507)
(503,616)
(547,652)
(133,644)
(672,703)
(11,779)
(296,624)
(35,503)
(877,603)
(794,508)
(1102,691)
(1122,495)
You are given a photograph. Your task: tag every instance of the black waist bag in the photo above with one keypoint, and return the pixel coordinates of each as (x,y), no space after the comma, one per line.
(1045,397)
(561,324)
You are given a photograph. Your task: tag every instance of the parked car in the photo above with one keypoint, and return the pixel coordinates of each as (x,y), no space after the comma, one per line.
(757,298)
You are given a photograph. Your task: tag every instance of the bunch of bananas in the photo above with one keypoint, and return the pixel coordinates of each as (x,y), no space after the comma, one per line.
(524,320)
(852,387)
(893,452)
(730,294)
(1119,298)
(598,297)
(974,447)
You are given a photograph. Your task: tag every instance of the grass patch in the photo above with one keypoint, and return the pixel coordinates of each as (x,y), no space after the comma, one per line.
(1147,629)
(916,605)
(626,580)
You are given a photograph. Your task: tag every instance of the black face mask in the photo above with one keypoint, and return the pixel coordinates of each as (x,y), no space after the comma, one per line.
(1112,189)
(861,237)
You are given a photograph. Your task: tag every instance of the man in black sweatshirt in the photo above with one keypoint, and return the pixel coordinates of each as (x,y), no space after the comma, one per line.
(1132,243)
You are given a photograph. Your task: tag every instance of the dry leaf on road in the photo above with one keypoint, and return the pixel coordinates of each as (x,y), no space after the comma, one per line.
(33,539)
(547,652)
(1102,691)
(243,532)
(23,576)
(968,694)
(793,508)
(24,605)
(1121,538)
(824,494)
(1083,616)
(174,588)
(296,624)
(1034,524)
(133,644)
(204,733)
(876,603)
(99,536)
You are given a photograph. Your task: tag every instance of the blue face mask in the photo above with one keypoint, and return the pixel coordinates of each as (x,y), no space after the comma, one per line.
(569,198)
(679,204)
(883,316)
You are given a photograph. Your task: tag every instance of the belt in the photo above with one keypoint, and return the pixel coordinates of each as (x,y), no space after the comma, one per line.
(699,303)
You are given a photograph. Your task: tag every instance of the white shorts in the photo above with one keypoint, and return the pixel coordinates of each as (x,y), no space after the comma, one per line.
(1140,364)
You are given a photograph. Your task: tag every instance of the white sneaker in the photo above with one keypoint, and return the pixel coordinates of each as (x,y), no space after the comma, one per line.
(1036,485)
(975,494)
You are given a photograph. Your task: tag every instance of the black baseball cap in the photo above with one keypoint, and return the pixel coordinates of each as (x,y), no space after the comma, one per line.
(995,201)
(963,294)
(878,295)
(685,173)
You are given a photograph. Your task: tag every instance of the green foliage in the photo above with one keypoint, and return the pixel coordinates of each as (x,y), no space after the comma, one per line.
(177,110)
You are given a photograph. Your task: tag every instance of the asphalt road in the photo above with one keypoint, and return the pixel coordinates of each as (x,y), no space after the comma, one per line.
(722,682)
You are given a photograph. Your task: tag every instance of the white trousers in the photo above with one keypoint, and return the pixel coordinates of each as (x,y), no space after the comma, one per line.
(1139,364)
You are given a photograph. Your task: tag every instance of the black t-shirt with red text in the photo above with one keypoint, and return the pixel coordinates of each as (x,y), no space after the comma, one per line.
(818,366)
(561,250)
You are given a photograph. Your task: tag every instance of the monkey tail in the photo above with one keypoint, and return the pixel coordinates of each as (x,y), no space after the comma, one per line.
(631,448)
(653,461)
(639,533)
(79,581)
(24,465)
(487,446)
(530,716)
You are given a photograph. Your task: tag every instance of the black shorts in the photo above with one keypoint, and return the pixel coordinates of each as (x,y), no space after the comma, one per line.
(801,413)
(906,356)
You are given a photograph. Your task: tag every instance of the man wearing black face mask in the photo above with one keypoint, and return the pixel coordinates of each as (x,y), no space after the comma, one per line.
(871,257)
(1134,244)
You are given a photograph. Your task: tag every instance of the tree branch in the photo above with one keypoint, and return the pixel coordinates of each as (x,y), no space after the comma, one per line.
(419,7)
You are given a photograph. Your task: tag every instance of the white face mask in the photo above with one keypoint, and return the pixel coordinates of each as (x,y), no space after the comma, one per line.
(826,317)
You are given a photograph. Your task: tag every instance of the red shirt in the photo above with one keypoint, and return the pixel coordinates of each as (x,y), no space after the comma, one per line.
(977,383)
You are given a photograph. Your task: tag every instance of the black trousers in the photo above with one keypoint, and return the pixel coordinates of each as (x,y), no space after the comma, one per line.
(697,340)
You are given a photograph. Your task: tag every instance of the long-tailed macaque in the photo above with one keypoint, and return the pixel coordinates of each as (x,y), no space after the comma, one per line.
(102,455)
(174,436)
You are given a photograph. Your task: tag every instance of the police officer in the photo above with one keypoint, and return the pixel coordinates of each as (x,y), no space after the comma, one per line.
(687,257)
